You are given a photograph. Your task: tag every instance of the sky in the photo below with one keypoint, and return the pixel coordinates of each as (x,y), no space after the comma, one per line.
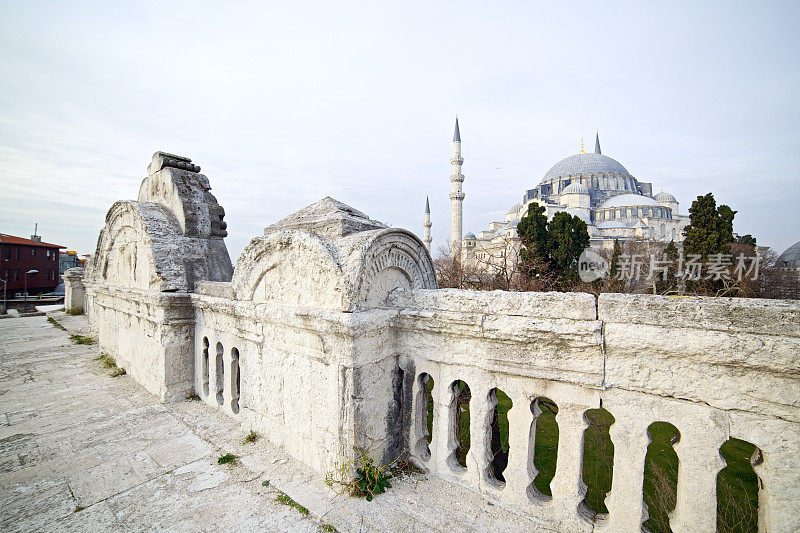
(284,103)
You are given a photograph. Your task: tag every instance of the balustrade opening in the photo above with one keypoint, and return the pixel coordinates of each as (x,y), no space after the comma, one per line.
(424,416)
(498,448)
(204,375)
(459,422)
(598,462)
(235,380)
(660,484)
(544,436)
(220,373)
(737,487)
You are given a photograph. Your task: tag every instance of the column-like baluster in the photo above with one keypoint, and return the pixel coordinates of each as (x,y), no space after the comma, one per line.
(624,501)
(699,462)
(519,469)
(567,487)
(442,421)
(479,455)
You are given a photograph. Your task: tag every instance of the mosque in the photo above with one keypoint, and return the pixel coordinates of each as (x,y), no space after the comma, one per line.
(615,205)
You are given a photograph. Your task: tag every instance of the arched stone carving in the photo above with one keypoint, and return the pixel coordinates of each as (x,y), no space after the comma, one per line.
(394,259)
(291,267)
(134,251)
(330,256)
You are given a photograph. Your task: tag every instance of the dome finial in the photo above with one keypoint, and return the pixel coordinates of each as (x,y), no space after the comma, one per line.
(582,150)
(597,142)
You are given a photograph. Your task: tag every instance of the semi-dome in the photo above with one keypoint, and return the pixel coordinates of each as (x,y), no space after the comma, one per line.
(586,165)
(665,197)
(575,188)
(790,257)
(629,200)
(469,235)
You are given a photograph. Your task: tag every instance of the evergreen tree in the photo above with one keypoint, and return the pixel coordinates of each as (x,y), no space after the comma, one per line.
(569,237)
(711,228)
(554,246)
(614,268)
(748,240)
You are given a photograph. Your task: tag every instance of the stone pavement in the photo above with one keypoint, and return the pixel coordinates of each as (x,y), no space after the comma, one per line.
(83,451)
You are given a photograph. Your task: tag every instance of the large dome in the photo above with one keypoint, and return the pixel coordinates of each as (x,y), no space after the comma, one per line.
(586,165)
(790,257)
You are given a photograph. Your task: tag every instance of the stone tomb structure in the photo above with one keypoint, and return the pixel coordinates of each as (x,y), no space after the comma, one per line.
(326,335)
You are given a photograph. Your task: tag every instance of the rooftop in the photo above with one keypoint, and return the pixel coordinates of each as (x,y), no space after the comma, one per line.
(10,239)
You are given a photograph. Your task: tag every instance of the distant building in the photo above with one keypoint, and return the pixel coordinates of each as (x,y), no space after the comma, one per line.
(19,255)
(69,259)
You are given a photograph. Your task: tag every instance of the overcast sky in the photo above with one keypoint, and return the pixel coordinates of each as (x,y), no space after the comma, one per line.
(284,103)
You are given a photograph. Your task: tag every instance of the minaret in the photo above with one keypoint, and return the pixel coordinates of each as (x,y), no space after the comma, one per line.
(456,195)
(426,226)
(597,143)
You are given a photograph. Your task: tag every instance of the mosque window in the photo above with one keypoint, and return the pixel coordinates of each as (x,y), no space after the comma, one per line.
(673,234)
(662,230)
(619,213)
(652,232)
(641,212)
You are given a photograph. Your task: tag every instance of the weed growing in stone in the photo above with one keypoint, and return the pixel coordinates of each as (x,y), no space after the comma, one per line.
(265,483)
(228,458)
(106,360)
(81,339)
(118,372)
(78,311)
(250,438)
(327,527)
(56,323)
(193,397)
(284,499)
(79,508)
(369,480)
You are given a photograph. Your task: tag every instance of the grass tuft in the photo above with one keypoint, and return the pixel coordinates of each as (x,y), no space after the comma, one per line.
(228,458)
(193,397)
(285,499)
(81,339)
(250,438)
(55,322)
(265,483)
(118,372)
(328,527)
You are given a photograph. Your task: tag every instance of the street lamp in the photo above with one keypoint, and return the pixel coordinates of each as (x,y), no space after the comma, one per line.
(5,305)
(31,271)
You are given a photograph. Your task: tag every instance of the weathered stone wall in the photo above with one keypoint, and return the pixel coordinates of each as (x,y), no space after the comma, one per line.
(713,368)
(321,337)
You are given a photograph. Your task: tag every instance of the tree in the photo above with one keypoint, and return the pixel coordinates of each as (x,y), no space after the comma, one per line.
(711,228)
(553,246)
(748,240)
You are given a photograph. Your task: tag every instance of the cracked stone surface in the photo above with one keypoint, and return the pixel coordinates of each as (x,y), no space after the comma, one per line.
(82,451)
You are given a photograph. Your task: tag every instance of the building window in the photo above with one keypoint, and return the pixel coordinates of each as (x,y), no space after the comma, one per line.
(16,252)
(33,251)
(16,275)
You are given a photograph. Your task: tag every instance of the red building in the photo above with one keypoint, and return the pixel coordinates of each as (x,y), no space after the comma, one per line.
(18,256)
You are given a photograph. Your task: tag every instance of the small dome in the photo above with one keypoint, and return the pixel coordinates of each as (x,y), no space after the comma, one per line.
(664,197)
(629,200)
(514,209)
(575,188)
(470,235)
(790,257)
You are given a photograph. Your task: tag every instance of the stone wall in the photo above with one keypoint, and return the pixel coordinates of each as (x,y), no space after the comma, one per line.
(323,336)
